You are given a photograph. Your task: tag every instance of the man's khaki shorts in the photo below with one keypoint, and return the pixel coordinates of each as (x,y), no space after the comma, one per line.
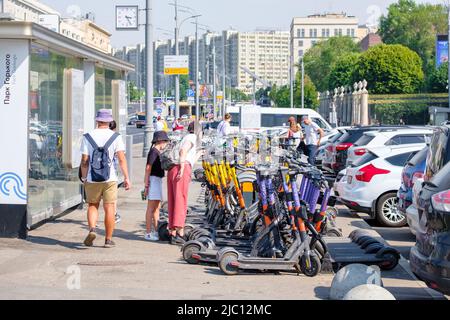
(98,191)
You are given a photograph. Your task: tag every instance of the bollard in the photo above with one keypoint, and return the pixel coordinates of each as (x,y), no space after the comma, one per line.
(352,276)
(368,292)
(129,153)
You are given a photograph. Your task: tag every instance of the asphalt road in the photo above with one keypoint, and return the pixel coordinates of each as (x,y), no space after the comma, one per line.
(138,134)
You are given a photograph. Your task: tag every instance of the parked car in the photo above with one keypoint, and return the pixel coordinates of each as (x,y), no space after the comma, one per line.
(412,172)
(429,258)
(339,157)
(372,183)
(387,137)
(132,120)
(329,149)
(437,157)
(141,121)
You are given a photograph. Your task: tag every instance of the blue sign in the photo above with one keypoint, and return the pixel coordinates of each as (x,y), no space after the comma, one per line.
(441,50)
(159,110)
(191,93)
(172,107)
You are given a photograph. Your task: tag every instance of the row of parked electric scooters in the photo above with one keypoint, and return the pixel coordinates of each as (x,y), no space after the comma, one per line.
(399,175)
(268,210)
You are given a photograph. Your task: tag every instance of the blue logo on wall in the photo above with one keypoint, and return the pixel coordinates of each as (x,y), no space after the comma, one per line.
(11,182)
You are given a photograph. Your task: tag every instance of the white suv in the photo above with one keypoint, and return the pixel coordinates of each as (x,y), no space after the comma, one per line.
(387,137)
(371,183)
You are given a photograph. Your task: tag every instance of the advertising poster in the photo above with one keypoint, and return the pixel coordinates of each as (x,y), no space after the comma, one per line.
(441,50)
(14,74)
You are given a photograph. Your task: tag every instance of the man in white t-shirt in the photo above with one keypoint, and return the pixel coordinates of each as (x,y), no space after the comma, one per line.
(102,190)
(313,136)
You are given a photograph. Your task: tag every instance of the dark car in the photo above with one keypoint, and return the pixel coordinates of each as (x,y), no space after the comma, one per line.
(339,157)
(329,149)
(141,121)
(430,257)
(414,169)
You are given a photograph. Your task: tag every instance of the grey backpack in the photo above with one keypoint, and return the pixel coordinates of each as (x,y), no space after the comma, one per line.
(100,162)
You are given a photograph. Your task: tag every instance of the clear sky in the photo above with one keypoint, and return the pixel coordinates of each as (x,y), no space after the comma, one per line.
(242,15)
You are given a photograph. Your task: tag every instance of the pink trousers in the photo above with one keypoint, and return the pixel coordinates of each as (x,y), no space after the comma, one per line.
(177,196)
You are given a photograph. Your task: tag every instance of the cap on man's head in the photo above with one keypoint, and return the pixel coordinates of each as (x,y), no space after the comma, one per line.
(104,115)
(305,117)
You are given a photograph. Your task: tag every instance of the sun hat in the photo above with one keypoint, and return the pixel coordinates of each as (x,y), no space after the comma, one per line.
(160,136)
(104,115)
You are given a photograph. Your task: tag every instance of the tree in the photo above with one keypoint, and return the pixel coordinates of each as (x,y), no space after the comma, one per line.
(322,58)
(237,95)
(134,93)
(415,26)
(343,72)
(438,80)
(310,92)
(390,69)
(184,87)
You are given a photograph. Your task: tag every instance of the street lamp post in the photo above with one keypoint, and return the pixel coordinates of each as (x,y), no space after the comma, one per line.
(303,82)
(148,132)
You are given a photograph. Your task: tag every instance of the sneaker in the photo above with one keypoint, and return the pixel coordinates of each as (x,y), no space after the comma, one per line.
(154,236)
(118,218)
(89,241)
(148,237)
(177,240)
(109,244)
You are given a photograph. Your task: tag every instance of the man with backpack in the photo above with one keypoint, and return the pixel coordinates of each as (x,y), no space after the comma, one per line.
(99,176)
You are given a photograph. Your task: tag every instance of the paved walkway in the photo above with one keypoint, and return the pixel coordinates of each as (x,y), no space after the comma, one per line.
(53,264)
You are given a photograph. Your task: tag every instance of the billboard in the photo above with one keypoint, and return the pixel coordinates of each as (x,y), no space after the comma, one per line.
(14,84)
(176,65)
(441,50)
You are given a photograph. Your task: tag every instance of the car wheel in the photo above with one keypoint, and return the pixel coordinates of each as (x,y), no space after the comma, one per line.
(387,212)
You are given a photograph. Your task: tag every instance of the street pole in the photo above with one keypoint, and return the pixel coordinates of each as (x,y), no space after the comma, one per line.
(224,85)
(177,77)
(148,133)
(197,82)
(214,76)
(303,84)
(448,34)
(291,75)
(139,74)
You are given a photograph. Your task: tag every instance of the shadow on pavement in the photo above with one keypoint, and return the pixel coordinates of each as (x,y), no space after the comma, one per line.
(322,293)
(53,242)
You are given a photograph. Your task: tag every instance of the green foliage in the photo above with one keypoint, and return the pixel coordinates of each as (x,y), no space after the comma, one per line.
(415,26)
(344,70)
(390,114)
(184,87)
(134,93)
(390,69)
(237,95)
(438,79)
(282,96)
(322,58)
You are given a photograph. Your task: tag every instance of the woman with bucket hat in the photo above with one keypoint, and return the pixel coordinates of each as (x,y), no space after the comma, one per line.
(153,184)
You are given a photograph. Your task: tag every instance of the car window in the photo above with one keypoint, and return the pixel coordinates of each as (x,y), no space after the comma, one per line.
(369,156)
(320,123)
(400,159)
(438,154)
(406,139)
(418,157)
(141,117)
(364,140)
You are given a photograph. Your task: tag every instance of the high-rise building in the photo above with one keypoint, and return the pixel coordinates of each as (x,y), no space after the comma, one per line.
(307,31)
(264,53)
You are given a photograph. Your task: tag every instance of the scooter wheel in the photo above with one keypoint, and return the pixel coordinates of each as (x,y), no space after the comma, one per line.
(163,232)
(390,261)
(225,264)
(311,269)
(207,242)
(188,250)
(334,233)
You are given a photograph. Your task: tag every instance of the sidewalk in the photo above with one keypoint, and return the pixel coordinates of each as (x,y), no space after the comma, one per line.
(53,261)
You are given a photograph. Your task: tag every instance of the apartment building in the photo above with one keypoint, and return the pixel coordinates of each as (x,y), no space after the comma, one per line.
(307,31)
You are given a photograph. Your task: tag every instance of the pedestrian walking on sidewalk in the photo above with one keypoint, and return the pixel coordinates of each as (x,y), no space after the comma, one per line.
(312,138)
(113,127)
(98,150)
(153,184)
(178,180)
(224,127)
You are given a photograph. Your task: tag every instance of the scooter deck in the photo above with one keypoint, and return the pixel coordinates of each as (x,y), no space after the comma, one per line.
(272,264)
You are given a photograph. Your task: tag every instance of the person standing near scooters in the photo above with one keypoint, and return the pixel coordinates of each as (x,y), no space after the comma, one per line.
(153,184)
(313,136)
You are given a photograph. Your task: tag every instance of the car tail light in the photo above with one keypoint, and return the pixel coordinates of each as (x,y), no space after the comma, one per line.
(360,152)
(366,173)
(441,201)
(343,146)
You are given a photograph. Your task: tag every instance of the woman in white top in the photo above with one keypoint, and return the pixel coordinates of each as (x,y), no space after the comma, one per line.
(178,180)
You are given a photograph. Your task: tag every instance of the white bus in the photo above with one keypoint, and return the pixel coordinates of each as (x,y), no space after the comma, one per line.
(278,117)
